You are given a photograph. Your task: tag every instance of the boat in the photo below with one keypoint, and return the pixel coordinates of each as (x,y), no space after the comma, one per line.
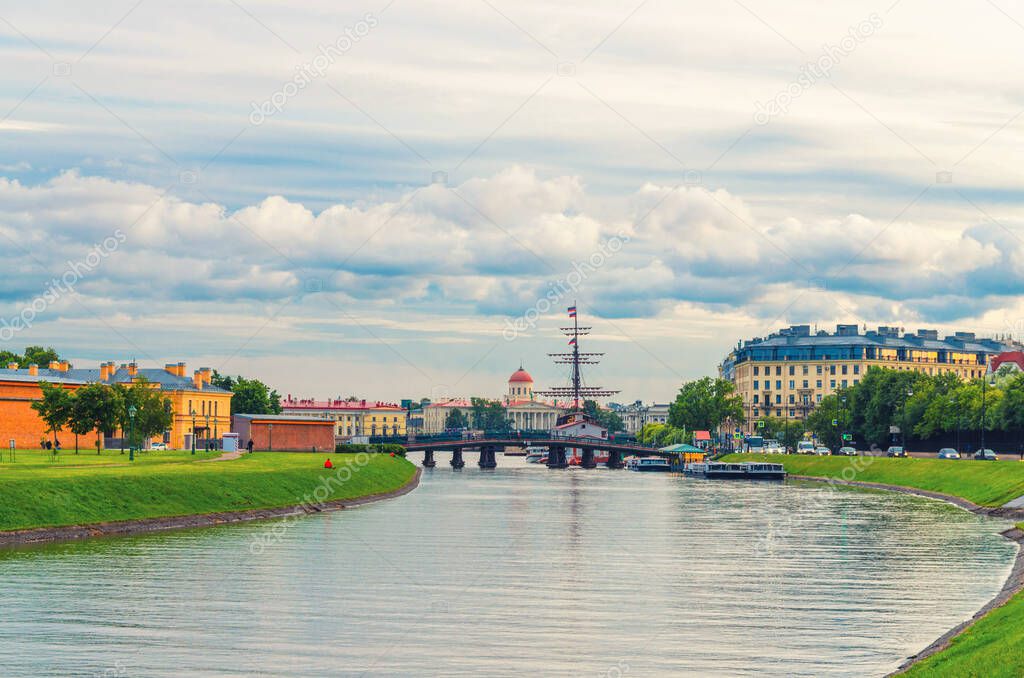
(744,471)
(534,455)
(650,465)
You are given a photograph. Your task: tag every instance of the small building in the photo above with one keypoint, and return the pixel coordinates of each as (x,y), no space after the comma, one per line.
(702,439)
(352,418)
(284,432)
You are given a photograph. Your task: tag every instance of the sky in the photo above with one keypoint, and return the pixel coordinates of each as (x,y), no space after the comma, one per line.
(400,200)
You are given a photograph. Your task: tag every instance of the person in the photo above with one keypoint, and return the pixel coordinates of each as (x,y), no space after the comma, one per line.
(249,445)
(328,464)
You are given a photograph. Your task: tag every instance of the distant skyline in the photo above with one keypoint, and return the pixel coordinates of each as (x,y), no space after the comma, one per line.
(364,200)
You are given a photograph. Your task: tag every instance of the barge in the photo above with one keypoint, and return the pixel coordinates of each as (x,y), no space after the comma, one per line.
(743,471)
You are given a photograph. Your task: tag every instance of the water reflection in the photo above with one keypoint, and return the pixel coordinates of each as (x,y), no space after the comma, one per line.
(518,570)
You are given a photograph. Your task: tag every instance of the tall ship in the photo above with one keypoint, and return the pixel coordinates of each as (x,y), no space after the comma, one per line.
(575,423)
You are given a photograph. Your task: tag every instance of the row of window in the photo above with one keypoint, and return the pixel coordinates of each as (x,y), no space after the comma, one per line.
(806,384)
(844,369)
(206,407)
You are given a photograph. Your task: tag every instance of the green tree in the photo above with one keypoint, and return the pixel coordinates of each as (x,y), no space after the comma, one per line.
(819,422)
(704,404)
(54,408)
(152,411)
(252,396)
(97,407)
(606,418)
(456,419)
(39,355)
(488,415)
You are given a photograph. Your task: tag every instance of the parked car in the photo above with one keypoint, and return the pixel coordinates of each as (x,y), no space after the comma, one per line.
(822,451)
(158,446)
(896,451)
(847,451)
(805,447)
(948,453)
(986,455)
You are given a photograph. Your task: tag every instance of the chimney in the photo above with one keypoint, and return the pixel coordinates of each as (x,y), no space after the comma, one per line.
(206,374)
(55,365)
(197,380)
(133,369)
(181,369)
(171,368)
(33,369)
(106,370)
(12,366)
(64,365)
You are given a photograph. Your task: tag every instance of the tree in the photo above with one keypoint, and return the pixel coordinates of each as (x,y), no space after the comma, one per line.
(252,396)
(54,408)
(704,404)
(152,411)
(39,356)
(488,415)
(97,406)
(606,418)
(456,419)
(819,422)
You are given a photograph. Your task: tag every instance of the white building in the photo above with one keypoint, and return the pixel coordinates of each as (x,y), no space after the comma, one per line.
(638,415)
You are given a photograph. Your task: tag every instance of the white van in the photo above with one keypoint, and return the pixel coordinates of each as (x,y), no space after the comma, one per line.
(805,447)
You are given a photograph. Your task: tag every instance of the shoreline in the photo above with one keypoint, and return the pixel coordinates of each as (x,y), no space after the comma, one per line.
(1014,582)
(44,535)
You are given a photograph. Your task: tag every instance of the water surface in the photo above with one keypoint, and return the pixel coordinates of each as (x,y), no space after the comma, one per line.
(516,570)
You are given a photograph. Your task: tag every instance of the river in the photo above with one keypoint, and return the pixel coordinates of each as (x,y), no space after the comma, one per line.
(513,571)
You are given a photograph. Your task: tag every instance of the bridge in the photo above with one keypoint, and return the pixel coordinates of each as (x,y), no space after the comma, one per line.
(489,443)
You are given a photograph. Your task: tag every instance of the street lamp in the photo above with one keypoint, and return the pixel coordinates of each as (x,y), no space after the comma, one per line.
(984,382)
(842,434)
(207,430)
(131,435)
(270,435)
(193,431)
(952,401)
(903,428)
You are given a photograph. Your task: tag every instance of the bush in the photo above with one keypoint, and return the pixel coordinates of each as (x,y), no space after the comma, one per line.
(387,448)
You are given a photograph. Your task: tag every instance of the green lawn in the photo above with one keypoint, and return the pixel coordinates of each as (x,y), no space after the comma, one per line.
(986,483)
(87,489)
(992,648)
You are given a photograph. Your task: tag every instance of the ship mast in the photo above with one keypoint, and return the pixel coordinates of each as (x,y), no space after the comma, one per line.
(576,390)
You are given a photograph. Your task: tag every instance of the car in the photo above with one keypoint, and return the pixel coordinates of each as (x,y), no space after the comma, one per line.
(847,451)
(986,455)
(822,451)
(158,446)
(805,447)
(896,451)
(948,453)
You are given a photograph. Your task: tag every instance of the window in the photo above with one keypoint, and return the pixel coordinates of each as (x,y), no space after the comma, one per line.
(756,370)
(818,398)
(778,413)
(755,398)
(778,384)
(831,369)
(792,413)
(818,383)
(757,385)
(792,399)
(844,383)
(792,370)
(805,369)
(778,399)
(832,383)
(792,383)
(819,369)
(856,369)
(845,367)
(805,383)
(778,370)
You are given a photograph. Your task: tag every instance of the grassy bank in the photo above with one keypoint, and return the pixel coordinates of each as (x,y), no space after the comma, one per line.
(994,646)
(87,489)
(986,483)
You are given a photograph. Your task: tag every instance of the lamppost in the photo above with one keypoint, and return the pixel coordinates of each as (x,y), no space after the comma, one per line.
(952,401)
(842,433)
(903,428)
(270,436)
(131,434)
(984,382)
(207,430)
(193,431)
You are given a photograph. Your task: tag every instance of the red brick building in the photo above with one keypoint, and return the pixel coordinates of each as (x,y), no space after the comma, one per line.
(284,432)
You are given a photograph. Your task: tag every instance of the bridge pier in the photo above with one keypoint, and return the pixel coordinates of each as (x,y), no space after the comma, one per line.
(428,459)
(587,458)
(487,459)
(614,459)
(457,461)
(556,457)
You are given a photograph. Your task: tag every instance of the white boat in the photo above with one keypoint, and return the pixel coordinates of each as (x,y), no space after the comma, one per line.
(650,465)
(535,454)
(745,471)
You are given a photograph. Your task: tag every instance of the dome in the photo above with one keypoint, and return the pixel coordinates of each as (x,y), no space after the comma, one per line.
(520,375)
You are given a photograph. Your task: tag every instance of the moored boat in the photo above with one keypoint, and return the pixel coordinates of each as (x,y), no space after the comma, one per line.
(743,471)
(650,465)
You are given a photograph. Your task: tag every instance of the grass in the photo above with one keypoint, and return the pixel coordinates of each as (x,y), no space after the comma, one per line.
(986,483)
(992,648)
(39,493)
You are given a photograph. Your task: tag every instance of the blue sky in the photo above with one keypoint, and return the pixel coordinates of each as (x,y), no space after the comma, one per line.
(371,221)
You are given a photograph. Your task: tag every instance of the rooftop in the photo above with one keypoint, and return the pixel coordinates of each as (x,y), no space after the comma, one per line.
(336,404)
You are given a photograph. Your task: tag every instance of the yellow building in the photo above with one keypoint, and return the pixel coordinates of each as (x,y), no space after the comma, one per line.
(788,373)
(353,418)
